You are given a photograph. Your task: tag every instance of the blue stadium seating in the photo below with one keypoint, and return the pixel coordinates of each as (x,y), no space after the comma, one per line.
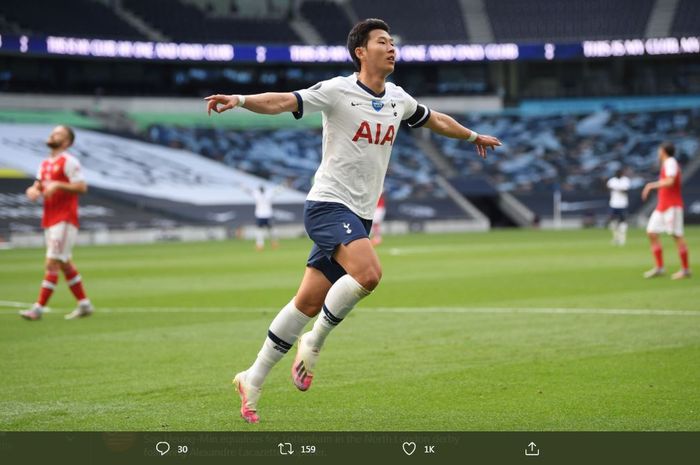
(292,156)
(578,152)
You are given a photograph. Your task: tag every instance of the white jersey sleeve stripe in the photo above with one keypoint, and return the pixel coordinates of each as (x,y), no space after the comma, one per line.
(670,167)
(72,169)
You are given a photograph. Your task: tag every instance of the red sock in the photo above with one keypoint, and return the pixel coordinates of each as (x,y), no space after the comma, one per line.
(683,252)
(74,282)
(658,255)
(47,287)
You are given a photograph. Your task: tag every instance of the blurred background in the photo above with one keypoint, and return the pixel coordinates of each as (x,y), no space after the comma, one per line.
(575,90)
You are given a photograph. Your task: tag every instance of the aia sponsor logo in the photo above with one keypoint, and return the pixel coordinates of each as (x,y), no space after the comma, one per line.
(378,136)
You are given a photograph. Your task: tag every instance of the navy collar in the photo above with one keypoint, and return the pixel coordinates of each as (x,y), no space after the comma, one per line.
(370,91)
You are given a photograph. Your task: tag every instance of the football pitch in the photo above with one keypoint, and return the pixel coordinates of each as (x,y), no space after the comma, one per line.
(500,331)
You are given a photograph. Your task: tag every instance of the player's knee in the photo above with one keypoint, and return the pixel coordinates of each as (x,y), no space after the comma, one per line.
(369,278)
(53,266)
(308,307)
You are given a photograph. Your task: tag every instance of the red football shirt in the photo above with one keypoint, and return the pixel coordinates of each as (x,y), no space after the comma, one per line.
(381,203)
(61,205)
(670,196)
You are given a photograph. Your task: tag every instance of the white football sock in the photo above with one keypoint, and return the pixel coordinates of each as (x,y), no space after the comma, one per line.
(622,233)
(284,331)
(613,228)
(341,298)
(260,238)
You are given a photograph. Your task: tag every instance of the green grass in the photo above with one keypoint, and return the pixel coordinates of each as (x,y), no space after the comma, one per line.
(178,320)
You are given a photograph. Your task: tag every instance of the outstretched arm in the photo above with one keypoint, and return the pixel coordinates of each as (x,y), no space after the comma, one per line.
(445,125)
(269,103)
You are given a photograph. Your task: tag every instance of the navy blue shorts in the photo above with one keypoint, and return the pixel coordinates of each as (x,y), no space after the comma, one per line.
(330,224)
(620,214)
(263,222)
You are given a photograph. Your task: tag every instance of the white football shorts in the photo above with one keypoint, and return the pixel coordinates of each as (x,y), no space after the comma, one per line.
(60,239)
(669,222)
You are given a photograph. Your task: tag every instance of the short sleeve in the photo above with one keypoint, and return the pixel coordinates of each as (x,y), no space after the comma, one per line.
(319,97)
(671,167)
(72,170)
(415,115)
(611,184)
(38,172)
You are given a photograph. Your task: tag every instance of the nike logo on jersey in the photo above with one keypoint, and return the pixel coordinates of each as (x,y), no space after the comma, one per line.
(356,104)
(347,228)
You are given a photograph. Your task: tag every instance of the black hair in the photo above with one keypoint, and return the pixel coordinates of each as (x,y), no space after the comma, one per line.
(359,35)
(669,148)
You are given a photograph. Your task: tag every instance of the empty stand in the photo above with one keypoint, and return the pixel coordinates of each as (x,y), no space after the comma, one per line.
(85,18)
(562,20)
(687,19)
(577,152)
(187,23)
(417,20)
(329,19)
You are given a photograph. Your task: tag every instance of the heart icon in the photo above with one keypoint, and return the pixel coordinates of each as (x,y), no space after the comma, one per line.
(409,447)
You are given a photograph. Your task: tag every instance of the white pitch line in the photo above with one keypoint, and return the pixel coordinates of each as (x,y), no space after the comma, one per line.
(10,303)
(543,311)
(187,310)
(406,310)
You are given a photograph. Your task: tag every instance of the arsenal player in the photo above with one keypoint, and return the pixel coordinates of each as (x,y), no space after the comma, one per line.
(668,216)
(377,220)
(59,181)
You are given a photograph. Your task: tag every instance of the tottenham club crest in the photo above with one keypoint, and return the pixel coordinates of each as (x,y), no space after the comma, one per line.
(377,105)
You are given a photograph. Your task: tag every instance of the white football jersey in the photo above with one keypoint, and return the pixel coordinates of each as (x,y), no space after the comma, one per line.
(263,203)
(618,191)
(359,130)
